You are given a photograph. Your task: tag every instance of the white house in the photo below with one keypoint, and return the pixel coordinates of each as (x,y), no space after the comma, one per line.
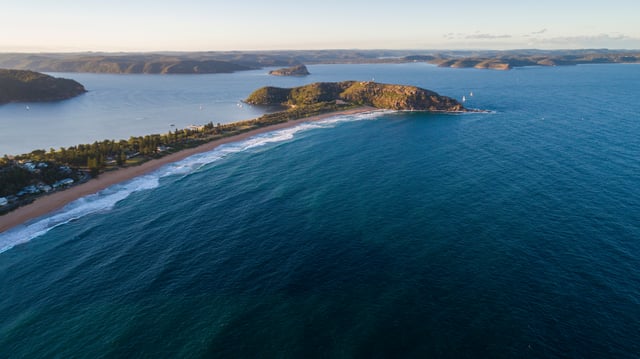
(64,182)
(195,127)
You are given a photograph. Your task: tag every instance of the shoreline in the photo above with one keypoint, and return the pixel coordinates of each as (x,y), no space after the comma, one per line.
(56,201)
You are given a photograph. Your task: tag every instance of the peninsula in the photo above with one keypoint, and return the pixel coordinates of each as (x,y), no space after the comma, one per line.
(109,162)
(30,86)
(298,70)
(189,143)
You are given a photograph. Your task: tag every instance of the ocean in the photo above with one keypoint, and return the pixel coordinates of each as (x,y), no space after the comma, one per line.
(513,233)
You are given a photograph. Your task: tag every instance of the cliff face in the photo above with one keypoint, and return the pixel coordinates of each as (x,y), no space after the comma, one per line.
(29,86)
(392,97)
(299,70)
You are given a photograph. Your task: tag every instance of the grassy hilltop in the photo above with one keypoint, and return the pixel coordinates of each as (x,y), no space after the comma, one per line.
(385,96)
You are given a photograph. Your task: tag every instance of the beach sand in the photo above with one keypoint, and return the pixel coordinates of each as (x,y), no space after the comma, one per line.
(52,202)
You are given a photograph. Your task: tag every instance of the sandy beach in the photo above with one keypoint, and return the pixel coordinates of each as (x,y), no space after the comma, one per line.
(57,200)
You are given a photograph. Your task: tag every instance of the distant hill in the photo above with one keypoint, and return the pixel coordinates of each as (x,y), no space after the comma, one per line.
(231,61)
(298,70)
(508,61)
(133,64)
(392,97)
(29,86)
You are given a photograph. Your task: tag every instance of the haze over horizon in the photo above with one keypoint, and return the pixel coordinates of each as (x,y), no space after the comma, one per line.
(197,25)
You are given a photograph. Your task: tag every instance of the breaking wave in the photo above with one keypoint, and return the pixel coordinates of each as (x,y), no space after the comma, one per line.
(109,197)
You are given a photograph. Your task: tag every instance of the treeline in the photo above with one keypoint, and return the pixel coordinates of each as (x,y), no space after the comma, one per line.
(96,156)
(100,154)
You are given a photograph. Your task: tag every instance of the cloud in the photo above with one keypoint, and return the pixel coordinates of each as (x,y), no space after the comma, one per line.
(541,39)
(453,36)
(486,37)
(475,36)
(615,40)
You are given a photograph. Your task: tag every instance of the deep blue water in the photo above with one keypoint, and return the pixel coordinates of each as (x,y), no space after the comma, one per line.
(509,234)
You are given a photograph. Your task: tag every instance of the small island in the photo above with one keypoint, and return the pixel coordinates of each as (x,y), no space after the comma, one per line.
(298,70)
(356,93)
(30,86)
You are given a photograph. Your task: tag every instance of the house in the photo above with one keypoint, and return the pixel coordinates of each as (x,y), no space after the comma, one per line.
(43,187)
(195,127)
(63,183)
(29,166)
(28,190)
(3,201)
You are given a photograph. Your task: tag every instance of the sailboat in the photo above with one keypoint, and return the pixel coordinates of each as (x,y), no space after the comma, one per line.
(464,99)
(471,94)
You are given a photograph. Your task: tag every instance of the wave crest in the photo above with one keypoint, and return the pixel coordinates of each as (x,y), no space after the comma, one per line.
(106,199)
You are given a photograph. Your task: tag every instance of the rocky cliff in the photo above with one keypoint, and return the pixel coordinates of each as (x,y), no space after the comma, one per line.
(29,86)
(385,96)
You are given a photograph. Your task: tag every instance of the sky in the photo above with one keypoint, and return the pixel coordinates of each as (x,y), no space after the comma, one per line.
(199,25)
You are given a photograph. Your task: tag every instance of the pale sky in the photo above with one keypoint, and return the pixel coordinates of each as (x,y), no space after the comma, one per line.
(198,25)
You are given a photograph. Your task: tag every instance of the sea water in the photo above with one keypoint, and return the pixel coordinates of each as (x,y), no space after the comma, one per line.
(514,233)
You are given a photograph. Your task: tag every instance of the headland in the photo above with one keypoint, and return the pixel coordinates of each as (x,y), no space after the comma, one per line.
(31,86)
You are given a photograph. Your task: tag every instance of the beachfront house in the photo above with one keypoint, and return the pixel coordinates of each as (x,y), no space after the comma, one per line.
(63,183)
(43,187)
(196,128)
(29,166)
(29,190)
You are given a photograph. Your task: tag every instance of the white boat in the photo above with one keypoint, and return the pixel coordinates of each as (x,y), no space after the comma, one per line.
(464,99)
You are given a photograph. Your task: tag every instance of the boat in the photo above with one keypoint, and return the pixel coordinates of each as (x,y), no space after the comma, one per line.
(464,99)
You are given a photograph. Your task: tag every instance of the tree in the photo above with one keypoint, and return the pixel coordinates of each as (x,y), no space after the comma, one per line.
(92,164)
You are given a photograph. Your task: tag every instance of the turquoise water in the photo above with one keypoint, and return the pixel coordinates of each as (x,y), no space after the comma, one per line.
(509,234)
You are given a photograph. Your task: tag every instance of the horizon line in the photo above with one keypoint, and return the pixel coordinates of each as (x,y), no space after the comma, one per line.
(316,49)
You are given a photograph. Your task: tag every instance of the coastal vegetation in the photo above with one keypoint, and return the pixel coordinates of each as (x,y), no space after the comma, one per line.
(231,61)
(509,61)
(298,70)
(384,96)
(30,86)
(25,177)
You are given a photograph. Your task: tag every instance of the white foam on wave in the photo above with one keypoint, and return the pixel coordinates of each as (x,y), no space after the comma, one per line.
(107,198)
(98,202)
